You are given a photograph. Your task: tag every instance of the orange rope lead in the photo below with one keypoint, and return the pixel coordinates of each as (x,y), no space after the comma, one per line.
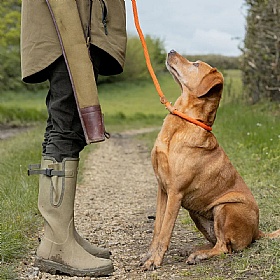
(146,54)
(163,100)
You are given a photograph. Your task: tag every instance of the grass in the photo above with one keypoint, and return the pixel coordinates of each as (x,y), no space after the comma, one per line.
(136,103)
(17,109)
(18,194)
(232,92)
(259,261)
(248,134)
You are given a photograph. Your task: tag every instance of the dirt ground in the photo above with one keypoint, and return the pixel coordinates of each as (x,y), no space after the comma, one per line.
(115,206)
(9,131)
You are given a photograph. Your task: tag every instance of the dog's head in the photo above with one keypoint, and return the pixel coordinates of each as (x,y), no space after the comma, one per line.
(201,86)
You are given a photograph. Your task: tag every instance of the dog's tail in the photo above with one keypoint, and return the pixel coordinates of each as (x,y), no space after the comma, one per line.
(274,234)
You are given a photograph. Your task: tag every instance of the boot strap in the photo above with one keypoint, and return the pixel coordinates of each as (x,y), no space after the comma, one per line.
(35,169)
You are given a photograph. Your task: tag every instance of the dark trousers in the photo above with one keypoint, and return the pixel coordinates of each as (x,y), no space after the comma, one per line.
(64,136)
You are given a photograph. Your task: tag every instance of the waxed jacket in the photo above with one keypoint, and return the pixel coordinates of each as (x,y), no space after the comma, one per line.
(40,45)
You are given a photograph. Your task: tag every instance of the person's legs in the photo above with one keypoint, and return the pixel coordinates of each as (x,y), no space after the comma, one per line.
(63,141)
(64,136)
(47,133)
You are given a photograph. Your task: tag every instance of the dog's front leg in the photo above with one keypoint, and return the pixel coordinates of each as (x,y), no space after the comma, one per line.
(163,231)
(160,211)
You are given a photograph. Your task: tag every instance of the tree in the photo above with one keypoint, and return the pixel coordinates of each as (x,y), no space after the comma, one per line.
(10,72)
(10,23)
(9,44)
(135,63)
(261,53)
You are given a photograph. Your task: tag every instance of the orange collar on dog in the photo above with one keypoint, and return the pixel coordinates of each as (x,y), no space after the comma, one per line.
(163,100)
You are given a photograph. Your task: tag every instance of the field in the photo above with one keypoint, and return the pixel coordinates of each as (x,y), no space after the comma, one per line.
(249,134)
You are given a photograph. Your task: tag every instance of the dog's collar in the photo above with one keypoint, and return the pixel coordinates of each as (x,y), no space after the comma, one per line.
(189,119)
(174,111)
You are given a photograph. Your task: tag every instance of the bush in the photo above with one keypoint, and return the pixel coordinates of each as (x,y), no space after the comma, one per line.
(135,64)
(261,67)
(10,69)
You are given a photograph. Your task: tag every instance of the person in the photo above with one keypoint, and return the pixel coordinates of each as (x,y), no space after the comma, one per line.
(62,249)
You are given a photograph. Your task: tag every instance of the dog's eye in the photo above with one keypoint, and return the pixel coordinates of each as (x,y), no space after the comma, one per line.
(196,64)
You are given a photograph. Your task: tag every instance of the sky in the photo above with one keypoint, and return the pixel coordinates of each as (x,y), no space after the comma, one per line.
(192,27)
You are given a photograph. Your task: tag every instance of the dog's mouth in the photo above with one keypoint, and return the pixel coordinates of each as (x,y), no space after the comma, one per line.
(174,73)
(171,69)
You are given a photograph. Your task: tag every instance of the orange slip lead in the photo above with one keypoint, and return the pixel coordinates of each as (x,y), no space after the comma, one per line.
(163,99)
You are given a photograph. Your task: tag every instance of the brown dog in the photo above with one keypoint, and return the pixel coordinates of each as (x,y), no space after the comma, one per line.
(193,171)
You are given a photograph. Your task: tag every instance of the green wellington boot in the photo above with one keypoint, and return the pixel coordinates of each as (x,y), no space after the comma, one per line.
(59,250)
(93,250)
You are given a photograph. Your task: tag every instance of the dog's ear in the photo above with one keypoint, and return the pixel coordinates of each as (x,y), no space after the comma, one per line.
(212,82)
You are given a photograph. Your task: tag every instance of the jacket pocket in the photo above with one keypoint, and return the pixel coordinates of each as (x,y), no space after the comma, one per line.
(104,15)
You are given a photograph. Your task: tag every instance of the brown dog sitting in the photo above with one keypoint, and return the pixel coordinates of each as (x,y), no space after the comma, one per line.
(193,171)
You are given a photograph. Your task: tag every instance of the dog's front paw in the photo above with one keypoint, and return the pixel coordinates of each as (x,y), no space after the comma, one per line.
(150,262)
(145,258)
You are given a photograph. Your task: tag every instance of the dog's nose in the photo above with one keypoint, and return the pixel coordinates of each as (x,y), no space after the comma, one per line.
(171,53)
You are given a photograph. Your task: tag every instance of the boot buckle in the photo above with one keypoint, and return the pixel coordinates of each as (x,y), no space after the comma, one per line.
(35,169)
(48,172)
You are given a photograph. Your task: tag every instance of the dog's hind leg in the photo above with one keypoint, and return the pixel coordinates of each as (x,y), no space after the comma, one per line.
(206,227)
(235,225)
(163,233)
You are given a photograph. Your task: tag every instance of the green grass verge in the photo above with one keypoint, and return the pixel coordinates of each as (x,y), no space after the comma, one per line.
(22,108)
(122,103)
(18,194)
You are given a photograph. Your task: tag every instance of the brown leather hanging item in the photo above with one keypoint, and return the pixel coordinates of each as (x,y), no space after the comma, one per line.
(75,50)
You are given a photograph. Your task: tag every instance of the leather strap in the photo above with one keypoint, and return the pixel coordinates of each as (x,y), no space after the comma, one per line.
(35,169)
(66,19)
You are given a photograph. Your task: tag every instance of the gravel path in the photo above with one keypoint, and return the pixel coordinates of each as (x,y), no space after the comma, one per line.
(115,206)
